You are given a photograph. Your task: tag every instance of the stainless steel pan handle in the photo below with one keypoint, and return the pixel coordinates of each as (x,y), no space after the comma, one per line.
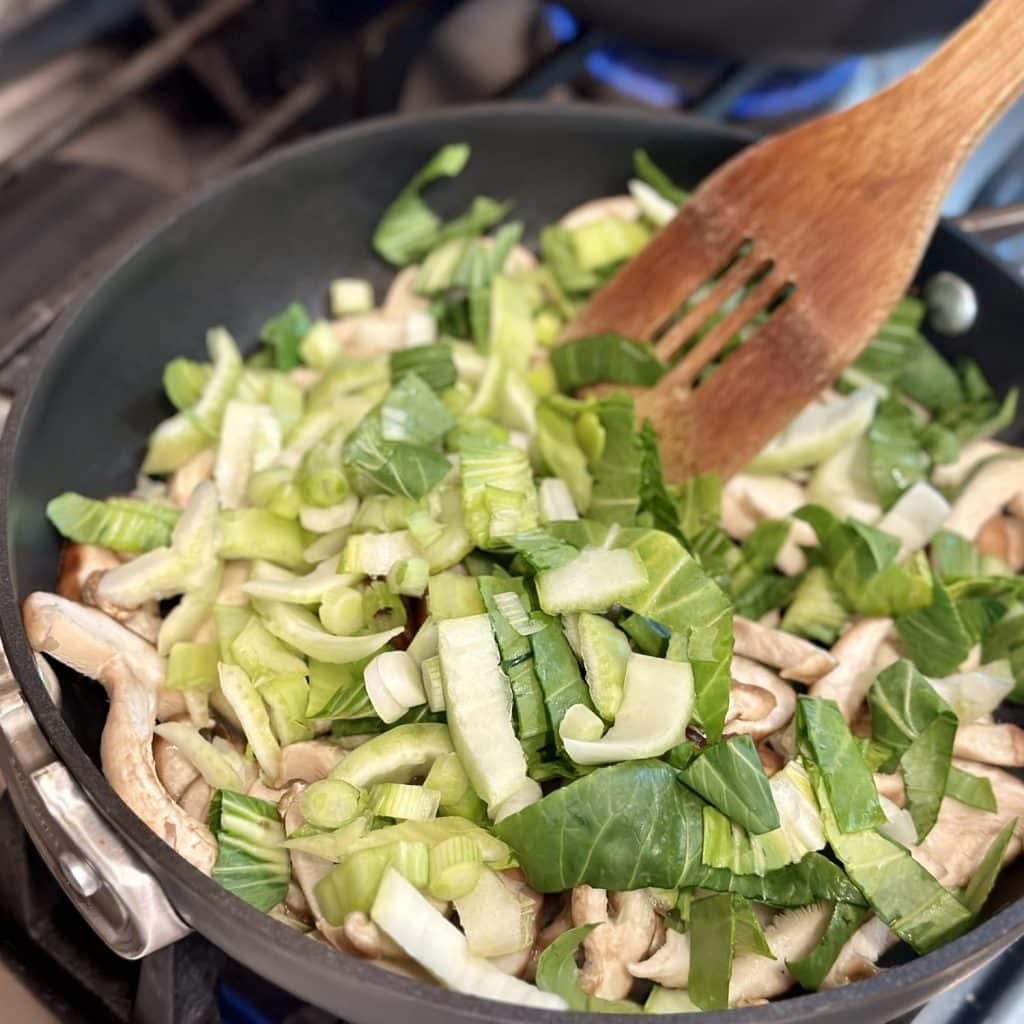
(108,884)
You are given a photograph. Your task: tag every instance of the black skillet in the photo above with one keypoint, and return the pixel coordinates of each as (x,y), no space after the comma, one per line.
(281,230)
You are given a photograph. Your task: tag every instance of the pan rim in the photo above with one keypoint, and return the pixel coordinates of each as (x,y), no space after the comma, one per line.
(234,915)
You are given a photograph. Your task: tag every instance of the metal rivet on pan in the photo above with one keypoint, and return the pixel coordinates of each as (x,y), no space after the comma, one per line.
(80,874)
(952,303)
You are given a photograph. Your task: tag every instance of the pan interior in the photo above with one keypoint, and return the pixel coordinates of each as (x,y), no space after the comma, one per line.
(282,232)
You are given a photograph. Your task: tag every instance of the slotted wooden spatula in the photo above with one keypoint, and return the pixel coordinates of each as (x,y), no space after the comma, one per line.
(825,225)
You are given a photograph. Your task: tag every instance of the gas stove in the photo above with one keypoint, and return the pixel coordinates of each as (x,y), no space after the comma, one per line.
(112,112)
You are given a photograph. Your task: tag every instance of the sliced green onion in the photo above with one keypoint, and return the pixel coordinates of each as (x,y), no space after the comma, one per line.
(433,685)
(424,528)
(455,867)
(330,803)
(208,411)
(404,802)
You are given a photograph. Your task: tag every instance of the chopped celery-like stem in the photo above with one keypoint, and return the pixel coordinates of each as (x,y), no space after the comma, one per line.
(319,348)
(208,411)
(247,704)
(353,884)
(260,653)
(554,501)
(229,620)
(172,444)
(478,703)
(341,611)
(404,802)
(122,524)
(257,533)
(184,380)
(451,596)
(300,628)
(592,582)
(399,755)
(433,941)
(350,295)
(409,577)
(511,608)
(330,803)
(332,517)
(424,643)
(609,240)
(458,798)
(251,439)
(192,666)
(286,698)
(373,554)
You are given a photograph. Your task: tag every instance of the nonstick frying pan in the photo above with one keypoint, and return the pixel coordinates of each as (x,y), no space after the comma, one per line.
(281,230)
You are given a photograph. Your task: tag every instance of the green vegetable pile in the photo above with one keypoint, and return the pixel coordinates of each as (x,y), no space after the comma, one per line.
(412,540)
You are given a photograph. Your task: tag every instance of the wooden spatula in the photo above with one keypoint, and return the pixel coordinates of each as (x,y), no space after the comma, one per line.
(825,225)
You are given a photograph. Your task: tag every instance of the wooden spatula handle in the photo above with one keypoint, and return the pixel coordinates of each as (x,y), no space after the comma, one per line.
(948,104)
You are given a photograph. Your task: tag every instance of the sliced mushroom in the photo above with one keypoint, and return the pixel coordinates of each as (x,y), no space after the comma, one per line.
(175,772)
(402,298)
(954,847)
(187,478)
(771,761)
(259,789)
(790,935)
(88,641)
(986,494)
(747,705)
(748,500)
(669,965)
(77,563)
(848,683)
(626,925)
(796,658)
(955,473)
(368,940)
(624,207)
(1003,538)
(784,697)
(143,621)
(309,760)
(860,954)
(998,743)
(126,753)
(558,925)
(195,800)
